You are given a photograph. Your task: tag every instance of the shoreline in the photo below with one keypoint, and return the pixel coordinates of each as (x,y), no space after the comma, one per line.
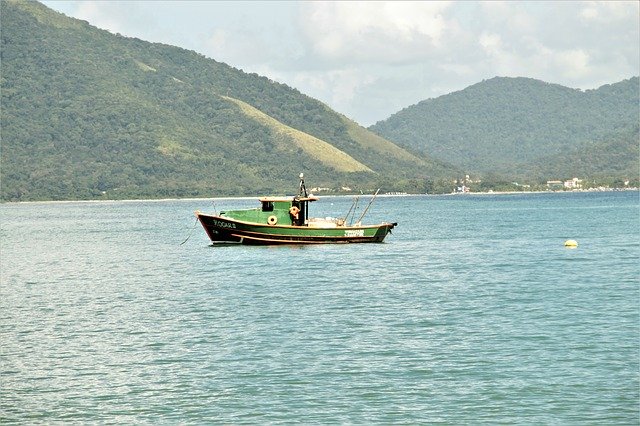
(158,200)
(573,191)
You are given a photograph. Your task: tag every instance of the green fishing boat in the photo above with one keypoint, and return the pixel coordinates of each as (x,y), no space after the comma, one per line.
(286,220)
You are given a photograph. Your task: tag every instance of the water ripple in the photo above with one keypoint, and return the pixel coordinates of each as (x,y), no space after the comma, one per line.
(472,312)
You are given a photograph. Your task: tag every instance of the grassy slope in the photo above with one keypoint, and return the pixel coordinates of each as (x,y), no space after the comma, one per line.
(314,147)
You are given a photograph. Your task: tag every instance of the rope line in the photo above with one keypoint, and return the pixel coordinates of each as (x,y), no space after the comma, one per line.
(191,232)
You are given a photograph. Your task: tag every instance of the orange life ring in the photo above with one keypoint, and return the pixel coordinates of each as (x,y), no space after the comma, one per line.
(294,211)
(272,220)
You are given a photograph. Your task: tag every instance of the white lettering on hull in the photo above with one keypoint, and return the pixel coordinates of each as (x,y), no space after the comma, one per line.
(221,224)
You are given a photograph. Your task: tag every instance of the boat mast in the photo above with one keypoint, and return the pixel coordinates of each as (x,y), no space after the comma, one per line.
(302,191)
(302,201)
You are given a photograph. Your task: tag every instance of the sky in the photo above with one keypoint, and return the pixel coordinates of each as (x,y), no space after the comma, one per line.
(369,60)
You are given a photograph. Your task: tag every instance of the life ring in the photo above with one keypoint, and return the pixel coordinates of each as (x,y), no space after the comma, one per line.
(272,220)
(294,211)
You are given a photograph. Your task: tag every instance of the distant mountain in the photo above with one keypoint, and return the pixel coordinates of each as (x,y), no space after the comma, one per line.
(615,155)
(519,126)
(89,114)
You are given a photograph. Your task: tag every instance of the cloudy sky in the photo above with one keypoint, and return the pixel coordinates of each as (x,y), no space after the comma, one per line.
(368,60)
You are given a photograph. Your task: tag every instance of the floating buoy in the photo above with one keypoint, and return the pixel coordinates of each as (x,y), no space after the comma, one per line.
(571,243)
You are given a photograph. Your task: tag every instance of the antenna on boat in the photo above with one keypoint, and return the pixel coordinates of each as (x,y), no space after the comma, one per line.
(302,192)
(213,201)
(368,205)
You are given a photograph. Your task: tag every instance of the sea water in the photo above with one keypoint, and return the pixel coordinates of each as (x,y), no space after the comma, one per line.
(472,311)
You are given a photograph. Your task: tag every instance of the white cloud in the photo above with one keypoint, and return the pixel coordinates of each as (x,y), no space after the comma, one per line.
(238,49)
(218,40)
(336,87)
(347,83)
(573,63)
(373,31)
(101,15)
(124,17)
(589,13)
(491,43)
(608,11)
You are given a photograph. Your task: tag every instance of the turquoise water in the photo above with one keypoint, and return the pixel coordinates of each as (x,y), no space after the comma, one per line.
(471,312)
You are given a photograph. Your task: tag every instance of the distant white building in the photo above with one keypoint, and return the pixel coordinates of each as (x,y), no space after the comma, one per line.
(574,183)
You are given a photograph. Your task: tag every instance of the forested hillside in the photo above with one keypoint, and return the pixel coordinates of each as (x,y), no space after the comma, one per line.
(615,156)
(525,127)
(89,114)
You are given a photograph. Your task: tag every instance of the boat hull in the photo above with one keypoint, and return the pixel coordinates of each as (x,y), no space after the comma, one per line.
(226,230)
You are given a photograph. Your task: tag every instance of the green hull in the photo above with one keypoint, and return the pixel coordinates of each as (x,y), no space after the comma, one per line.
(228,230)
(286,221)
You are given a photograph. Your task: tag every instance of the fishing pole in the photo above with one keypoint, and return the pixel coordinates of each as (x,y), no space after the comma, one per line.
(368,205)
(355,201)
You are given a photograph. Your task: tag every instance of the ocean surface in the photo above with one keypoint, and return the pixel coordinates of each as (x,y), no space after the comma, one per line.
(471,312)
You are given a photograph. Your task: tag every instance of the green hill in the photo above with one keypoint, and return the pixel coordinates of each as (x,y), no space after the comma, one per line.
(89,114)
(520,125)
(614,156)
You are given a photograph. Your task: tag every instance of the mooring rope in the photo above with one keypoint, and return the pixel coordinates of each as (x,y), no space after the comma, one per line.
(191,232)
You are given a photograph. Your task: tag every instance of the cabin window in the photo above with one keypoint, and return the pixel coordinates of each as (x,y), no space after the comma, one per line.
(267,206)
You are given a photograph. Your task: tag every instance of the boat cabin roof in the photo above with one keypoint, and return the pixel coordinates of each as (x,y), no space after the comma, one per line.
(275,199)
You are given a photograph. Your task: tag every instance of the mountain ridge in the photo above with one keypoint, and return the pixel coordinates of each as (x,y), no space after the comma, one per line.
(504,122)
(90,114)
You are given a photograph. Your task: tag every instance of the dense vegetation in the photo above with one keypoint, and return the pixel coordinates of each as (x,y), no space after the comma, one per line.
(89,114)
(524,128)
(615,155)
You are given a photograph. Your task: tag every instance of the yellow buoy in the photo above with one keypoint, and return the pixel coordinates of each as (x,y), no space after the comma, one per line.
(571,243)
